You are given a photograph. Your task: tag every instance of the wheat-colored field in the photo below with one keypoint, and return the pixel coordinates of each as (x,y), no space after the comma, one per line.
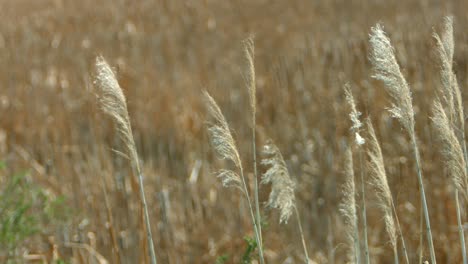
(77,197)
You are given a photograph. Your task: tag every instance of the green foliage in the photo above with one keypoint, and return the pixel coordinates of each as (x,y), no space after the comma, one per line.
(25,209)
(222,259)
(251,246)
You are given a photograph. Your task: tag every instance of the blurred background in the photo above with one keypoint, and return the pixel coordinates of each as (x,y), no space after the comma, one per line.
(72,198)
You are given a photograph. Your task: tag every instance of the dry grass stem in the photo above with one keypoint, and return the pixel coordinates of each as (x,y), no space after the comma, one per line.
(249,50)
(388,71)
(113,103)
(380,182)
(225,146)
(348,210)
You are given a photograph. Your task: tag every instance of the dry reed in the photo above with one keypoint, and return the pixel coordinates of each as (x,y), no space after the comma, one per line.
(388,71)
(348,210)
(225,146)
(113,103)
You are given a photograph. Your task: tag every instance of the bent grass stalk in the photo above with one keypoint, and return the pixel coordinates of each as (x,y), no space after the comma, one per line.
(380,182)
(225,146)
(454,161)
(450,122)
(388,71)
(249,50)
(114,104)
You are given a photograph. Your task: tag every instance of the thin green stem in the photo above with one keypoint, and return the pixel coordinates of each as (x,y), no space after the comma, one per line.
(421,240)
(149,234)
(395,254)
(252,216)
(257,203)
(423,198)
(403,244)
(302,235)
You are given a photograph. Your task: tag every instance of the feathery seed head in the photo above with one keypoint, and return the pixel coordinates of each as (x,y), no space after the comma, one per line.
(220,134)
(450,92)
(113,103)
(451,149)
(282,191)
(380,182)
(354,116)
(249,50)
(388,71)
(447,36)
(230,178)
(223,142)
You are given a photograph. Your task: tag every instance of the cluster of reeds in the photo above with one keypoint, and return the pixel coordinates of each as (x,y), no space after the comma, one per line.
(448,121)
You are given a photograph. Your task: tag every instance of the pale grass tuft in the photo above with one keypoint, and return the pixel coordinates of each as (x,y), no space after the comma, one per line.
(249,51)
(380,182)
(220,134)
(450,91)
(451,149)
(354,116)
(230,179)
(388,71)
(348,209)
(113,103)
(282,190)
(447,36)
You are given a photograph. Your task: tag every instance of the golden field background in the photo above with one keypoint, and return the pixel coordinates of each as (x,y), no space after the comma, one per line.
(165,53)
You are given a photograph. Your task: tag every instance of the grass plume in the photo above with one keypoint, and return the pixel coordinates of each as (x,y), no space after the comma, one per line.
(249,51)
(384,195)
(359,142)
(451,148)
(388,71)
(113,103)
(282,190)
(225,146)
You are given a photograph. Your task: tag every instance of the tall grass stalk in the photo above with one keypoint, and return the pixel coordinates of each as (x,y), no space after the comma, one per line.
(114,104)
(348,210)
(225,146)
(450,122)
(359,141)
(388,71)
(249,50)
(380,182)
(454,162)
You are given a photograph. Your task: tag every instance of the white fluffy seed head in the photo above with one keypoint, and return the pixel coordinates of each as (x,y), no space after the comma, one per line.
(223,142)
(249,51)
(451,149)
(113,103)
(220,134)
(388,71)
(354,116)
(380,182)
(450,92)
(282,190)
